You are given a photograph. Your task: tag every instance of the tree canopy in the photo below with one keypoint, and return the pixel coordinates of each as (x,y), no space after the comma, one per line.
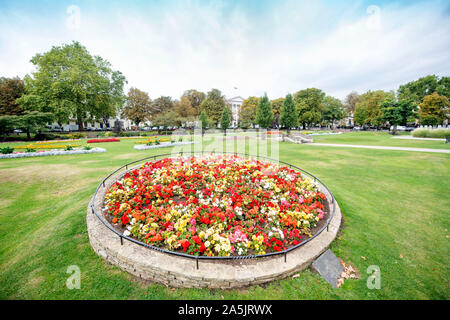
(10,90)
(309,104)
(368,109)
(434,109)
(213,105)
(247,112)
(264,115)
(333,110)
(138,106)
(288,116)
(71,83)
(398,112)
(418,89)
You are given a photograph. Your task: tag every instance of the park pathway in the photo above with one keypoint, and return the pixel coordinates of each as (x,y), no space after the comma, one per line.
(380,147)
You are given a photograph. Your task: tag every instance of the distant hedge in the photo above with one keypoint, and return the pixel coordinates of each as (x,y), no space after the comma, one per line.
(431,133)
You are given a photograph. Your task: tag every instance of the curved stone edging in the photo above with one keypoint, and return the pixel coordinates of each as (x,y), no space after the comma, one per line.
(177,271)
(50,153)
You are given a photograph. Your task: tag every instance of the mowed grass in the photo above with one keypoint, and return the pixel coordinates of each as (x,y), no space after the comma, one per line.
(395,206)
(379,139)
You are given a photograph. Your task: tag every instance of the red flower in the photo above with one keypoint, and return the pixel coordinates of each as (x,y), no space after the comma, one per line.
(125,219)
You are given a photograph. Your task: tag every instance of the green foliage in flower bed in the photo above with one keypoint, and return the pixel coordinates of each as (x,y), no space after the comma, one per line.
(6,150)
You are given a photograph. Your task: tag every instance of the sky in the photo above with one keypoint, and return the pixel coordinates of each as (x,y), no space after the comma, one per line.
(243,48)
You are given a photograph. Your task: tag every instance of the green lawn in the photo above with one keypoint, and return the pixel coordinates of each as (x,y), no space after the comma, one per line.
(379,139)
(395,205)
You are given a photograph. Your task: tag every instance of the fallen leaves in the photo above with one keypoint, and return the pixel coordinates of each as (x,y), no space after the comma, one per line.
(349,273)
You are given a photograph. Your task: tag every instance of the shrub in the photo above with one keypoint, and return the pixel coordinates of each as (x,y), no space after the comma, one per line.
(157,141)
(68,148)
(150,143)
(110,134)
(431,133)
(6,150)
(100,134)
(76,135)
(87,148)
(30,150)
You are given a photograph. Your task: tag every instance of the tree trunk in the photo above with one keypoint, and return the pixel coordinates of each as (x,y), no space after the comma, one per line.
(28,134)
(80,123)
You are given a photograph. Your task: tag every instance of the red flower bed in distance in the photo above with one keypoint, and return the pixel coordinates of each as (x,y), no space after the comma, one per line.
(103,140)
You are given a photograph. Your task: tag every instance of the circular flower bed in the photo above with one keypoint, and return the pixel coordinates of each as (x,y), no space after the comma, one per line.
(216,205)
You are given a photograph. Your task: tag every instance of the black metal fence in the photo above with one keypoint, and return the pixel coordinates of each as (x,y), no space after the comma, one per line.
(193,153)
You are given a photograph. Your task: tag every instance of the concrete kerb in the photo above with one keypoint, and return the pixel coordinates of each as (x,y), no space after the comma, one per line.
(177,271)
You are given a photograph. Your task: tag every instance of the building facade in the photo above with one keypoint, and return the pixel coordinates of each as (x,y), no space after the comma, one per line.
(235,105)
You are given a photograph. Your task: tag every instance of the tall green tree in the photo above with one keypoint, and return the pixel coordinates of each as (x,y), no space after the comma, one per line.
(138,106)
(333,110)
(309,104)
(434,109)
(71,83)
(264,115)
(213,105)
(288,116)
(398,112)
(204,121)
(225,121)
(10,90)
(418,89)
(247,112)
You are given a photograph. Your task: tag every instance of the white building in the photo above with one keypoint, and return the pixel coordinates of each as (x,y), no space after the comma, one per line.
(235,105)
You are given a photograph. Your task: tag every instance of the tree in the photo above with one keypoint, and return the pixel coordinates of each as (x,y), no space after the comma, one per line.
(333,110)
(350,101)
(185,110)
(309,104)
(204,121)
(434,109)
(277,105)
(138,106)
(162,105)
(247,112)
(166,119)
(418,89)
(398,112)
(264,115)
(225,121)
(32,121)
(368,109)
(7,124)
(69,82)
(213,105)
(10,90)
(195,98)
(288,117)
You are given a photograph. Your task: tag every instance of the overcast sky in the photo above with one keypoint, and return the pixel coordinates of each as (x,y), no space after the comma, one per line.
(278,47)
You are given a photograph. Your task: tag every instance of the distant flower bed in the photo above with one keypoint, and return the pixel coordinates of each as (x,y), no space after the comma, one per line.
(216,205)
(103,140)
(274,132)
(49,145)
(54,152)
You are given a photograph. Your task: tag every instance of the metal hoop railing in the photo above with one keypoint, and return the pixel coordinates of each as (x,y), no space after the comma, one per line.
(192,153)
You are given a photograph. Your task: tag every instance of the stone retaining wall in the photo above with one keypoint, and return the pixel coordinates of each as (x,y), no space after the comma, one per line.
(177,271)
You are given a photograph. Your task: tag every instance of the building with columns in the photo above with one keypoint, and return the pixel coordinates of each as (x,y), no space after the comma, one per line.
(235,105)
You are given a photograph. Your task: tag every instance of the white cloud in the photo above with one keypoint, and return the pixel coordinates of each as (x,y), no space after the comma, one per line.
(282,49)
